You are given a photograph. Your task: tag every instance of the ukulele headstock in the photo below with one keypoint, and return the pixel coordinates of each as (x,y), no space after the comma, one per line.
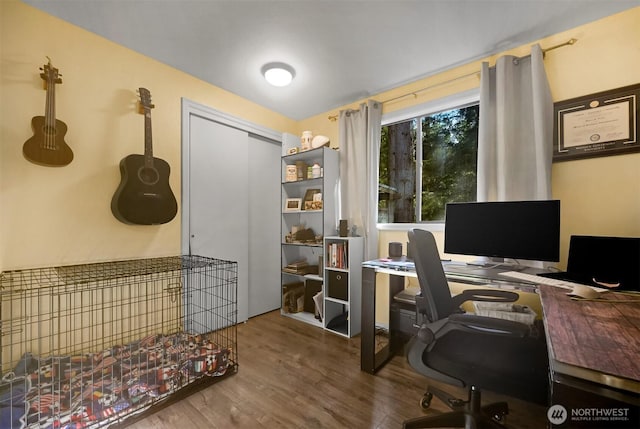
(145,100)
(50,74)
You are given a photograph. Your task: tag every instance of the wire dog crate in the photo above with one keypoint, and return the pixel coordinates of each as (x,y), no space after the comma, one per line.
(94,344)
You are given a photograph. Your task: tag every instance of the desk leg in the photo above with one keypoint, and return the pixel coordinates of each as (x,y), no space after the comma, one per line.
(368,319)
(370,361)
(396,285)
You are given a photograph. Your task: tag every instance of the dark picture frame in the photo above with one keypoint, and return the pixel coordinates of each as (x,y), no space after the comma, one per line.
(600,124)
(308,195)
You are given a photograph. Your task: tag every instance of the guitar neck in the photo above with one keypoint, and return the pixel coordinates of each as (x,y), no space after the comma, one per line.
(148,145)
(50,106)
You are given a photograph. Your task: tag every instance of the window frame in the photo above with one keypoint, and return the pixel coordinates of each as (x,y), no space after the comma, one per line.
(454,101)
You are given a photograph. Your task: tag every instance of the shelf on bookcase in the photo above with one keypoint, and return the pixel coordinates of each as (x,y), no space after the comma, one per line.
(336,300)
(306,317)
(301,211)
(340,331)
(302,244)
(305,276)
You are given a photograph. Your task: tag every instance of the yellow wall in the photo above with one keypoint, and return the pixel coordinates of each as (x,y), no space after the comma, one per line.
(599,196)
(51,216)
(61,215)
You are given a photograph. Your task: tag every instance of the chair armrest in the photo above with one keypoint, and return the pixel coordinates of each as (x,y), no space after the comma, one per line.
(490,295)
(425,335)
(489,325)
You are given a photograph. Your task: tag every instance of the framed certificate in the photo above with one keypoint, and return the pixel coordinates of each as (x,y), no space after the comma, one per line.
(600,124)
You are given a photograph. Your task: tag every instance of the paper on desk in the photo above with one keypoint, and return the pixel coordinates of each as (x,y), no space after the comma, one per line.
(392,264)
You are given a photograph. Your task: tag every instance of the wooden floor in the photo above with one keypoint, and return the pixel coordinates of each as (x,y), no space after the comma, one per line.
(293,375)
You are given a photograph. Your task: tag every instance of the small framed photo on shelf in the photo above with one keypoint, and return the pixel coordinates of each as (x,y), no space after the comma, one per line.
(293,204)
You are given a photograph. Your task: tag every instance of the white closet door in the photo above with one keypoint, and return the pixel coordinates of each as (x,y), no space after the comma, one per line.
(264,221)
(218,203)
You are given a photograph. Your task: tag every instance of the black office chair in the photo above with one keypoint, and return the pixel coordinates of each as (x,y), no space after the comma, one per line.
(463,349)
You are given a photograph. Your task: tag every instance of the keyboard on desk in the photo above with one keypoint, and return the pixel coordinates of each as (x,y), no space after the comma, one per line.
(539,280)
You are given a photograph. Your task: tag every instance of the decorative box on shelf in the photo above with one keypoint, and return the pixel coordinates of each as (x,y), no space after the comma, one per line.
(291,173)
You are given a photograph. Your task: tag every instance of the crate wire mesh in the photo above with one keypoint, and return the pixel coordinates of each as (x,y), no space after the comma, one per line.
(89,345)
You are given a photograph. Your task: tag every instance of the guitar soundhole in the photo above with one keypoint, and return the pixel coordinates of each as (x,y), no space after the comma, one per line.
(49,130)
(49,142)
(148,176)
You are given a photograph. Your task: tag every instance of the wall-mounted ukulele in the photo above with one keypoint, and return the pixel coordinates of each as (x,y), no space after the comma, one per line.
(47,146)
(144,196)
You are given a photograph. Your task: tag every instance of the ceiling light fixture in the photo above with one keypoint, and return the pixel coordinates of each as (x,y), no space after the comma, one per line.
(278,74)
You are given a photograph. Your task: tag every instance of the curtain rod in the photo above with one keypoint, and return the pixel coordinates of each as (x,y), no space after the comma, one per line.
(464,76)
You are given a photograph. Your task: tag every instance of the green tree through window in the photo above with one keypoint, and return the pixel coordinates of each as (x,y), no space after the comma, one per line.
(445,152)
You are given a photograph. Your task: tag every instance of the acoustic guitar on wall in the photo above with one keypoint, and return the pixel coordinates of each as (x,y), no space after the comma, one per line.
(144,196)
(47,146)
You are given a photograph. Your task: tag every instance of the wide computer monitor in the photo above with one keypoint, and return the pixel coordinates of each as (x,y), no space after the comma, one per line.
(528,230)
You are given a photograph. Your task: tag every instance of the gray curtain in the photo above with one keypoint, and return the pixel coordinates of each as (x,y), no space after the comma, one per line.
(359,140)
(515,130)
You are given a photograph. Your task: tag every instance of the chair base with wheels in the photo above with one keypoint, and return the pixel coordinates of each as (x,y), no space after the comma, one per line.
(465,414)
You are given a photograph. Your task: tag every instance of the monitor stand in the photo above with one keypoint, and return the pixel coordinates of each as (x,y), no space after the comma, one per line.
(501,263)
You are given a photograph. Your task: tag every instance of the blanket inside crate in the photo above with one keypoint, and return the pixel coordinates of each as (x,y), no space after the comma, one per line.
(96,389)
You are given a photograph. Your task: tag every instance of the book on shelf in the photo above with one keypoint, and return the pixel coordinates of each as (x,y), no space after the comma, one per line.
(301,267)
(337,255)
(298,264)
(296,267)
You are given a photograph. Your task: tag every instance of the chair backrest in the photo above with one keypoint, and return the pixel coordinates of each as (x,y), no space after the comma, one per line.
(433,282)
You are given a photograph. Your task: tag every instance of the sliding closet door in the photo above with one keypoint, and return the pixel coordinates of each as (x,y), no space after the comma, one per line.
(218,198)
(264,221)
(231,200)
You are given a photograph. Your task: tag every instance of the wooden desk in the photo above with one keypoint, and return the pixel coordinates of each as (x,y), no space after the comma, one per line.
(594,357)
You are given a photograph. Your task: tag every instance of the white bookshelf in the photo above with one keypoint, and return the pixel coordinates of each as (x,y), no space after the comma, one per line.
(342,288)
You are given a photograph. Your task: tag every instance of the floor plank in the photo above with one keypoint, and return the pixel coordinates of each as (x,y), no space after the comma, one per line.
(292,375)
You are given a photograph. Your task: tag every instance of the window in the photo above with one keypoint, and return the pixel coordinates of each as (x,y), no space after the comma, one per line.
(427,161)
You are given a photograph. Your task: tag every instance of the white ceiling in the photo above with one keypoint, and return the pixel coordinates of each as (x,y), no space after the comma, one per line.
(342,50)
